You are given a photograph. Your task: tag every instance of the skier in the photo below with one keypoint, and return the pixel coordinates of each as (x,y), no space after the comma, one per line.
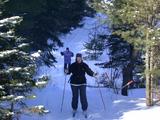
(78,83)
(67,58)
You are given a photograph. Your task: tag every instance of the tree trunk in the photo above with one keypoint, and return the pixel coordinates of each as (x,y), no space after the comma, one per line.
(149,77)
(148,81)
(152,76)
(128,72)
(127,76)
(125,80)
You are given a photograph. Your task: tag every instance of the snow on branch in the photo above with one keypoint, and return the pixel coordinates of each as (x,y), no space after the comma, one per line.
(19,98)
(36,54)
(8,34)
(13,20)
(1,87)
(7,53)
(42,81)
(8,97)
(23,45)
(15,69)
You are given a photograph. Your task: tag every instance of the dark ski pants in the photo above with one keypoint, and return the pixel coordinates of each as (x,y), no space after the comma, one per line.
(76,91)
(66,65)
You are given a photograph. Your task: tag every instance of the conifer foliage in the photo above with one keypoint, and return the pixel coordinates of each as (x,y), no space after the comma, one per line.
(45,20)
(17,68)
(138,20)
(95,46)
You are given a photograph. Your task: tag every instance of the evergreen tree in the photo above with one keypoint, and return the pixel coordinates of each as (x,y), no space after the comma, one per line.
(95,46)
(120,53)
(138,20)
(122,56)
(17,68)
(47,19)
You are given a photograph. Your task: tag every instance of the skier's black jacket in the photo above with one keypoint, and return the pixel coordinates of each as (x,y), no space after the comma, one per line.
(78,71)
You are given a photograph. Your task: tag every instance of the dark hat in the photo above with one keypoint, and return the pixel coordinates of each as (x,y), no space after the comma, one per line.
(78,55)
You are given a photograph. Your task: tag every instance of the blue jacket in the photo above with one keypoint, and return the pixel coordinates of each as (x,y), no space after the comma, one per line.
(67,56)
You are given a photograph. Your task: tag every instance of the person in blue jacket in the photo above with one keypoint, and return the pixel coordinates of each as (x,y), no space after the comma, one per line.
(67,58)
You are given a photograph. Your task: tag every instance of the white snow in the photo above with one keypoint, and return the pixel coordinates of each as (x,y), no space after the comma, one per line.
(8,97)
(6,35)
(23,45)
(19,98)
(7,52)
(118,107)
(10,32)
(10,113)
(39,106)
(36,54)
(108,2)
(15,69)
(19,84)
(1,87)
(11,19)
(41,83)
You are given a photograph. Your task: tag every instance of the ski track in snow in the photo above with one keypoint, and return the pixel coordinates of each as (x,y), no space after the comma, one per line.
(117,106)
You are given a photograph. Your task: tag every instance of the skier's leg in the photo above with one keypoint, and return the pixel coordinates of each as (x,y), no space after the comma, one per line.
(83,97)
(75,95)
(69,65)
(65,66)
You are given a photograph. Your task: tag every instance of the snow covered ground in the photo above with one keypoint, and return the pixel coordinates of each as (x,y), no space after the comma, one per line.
(118,107)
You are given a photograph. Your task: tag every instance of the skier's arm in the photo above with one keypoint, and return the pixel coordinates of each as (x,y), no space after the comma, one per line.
(88,70)
(72,54)
(62,53)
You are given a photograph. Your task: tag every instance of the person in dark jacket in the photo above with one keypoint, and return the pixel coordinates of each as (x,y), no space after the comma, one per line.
(78,82)
(67,58)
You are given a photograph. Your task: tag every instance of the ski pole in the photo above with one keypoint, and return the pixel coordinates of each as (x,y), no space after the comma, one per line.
(63,92)
(101,95)
(131,81)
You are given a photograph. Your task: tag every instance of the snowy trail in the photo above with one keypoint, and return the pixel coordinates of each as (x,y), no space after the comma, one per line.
(117,107)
